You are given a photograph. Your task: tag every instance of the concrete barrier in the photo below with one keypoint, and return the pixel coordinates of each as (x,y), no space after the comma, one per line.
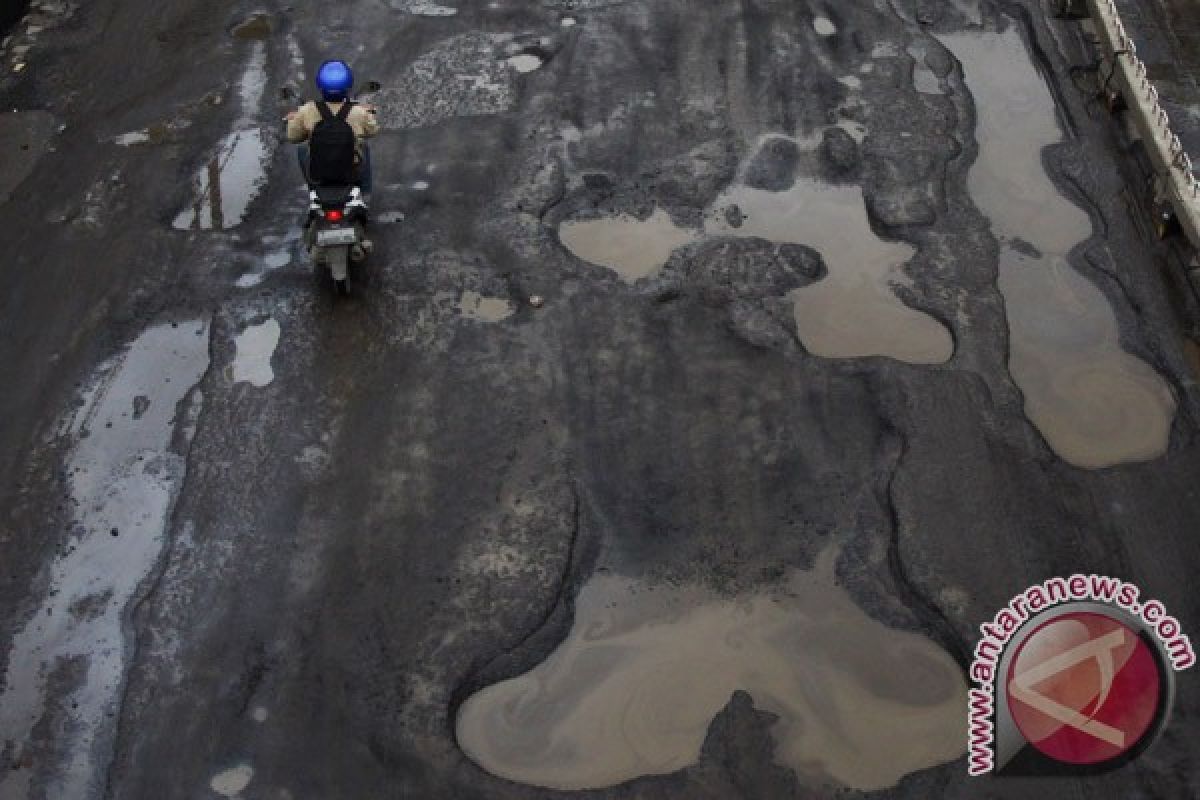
(1172,164)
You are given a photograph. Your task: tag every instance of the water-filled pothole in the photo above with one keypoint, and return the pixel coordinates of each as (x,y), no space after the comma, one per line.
(854,311)
(633,248)
(645,668)
(225,186)
(255,346)
(1095,404)
(124,473)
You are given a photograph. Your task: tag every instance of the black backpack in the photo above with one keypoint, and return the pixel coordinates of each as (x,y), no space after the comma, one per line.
(331,148)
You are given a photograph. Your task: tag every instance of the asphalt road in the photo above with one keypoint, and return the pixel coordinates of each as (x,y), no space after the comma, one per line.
(849,319)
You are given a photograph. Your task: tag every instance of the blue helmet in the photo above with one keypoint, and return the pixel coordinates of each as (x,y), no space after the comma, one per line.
(335,80)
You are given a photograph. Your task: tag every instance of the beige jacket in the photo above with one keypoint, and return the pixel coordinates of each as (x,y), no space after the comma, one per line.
(300,127)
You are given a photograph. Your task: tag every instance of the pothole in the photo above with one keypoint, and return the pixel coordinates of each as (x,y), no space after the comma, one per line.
(1095,404)
(255,348)
(645,668)
(124,474)
(633,248)
(226,185)
(854,311)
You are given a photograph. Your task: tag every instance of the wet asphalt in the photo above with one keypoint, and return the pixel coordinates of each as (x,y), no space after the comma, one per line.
(363,511)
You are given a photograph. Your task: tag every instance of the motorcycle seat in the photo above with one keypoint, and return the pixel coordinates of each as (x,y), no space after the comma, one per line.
(333,195)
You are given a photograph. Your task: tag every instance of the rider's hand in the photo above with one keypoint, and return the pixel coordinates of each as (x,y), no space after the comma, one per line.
(291,115)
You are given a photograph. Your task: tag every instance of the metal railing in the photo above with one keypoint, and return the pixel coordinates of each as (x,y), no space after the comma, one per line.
(1173,155)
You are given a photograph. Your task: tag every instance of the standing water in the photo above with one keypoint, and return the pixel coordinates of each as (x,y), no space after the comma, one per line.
(853,311)
(633,689)
(1095,404)
(631,247)
(123,477)
(225,186)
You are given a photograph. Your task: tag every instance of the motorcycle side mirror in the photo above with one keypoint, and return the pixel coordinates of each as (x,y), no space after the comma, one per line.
(374,86)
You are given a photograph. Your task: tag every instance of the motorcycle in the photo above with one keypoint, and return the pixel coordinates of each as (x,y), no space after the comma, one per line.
(335,223)
(335,231)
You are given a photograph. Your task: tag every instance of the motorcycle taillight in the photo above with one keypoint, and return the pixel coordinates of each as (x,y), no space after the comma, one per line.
(333,215)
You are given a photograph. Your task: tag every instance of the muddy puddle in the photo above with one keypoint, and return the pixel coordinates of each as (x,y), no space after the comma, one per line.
(854,311)
(644,670)
(1095,404)
(229,181)
(24,137)
(254,348)
(123,478)
(633,248)
(851,313)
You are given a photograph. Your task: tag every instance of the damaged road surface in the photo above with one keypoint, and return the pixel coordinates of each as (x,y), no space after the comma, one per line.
(719,368)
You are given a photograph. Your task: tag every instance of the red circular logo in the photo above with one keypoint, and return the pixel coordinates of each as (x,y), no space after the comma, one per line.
(1084,688)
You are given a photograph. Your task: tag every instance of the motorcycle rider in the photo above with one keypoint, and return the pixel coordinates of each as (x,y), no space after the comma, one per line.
(335,80)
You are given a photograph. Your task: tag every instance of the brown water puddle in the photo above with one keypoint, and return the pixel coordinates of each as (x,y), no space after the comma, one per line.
(634,687)
(1095,404)
(633,248)
(854,311)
